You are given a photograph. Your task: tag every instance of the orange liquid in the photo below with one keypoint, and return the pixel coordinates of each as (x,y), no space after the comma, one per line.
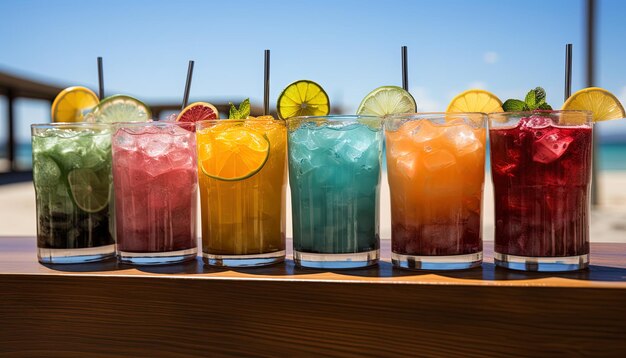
(246,217)
(436,177)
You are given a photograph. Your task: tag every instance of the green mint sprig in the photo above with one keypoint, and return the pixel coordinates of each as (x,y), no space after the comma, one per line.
(535,99)
(243,112)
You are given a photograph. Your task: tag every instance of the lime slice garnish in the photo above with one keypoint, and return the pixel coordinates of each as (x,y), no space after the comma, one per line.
(387,100)
(71,103)
(303,98)
(602,104)
(90,189)
(475,100)
(121,108)
(235,153)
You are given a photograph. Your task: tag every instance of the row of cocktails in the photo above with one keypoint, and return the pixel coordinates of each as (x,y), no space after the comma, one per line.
(132,188)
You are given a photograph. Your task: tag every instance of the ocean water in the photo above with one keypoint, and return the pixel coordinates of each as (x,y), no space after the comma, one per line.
(610,156)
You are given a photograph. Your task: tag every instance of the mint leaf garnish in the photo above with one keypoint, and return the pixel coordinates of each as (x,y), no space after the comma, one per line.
(535,99)
(234,112)
(243,112)
(514,105)
(540,96)
(244,108)
(531,99)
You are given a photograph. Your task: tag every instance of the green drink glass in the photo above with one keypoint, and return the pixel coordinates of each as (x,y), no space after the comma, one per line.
(73,192)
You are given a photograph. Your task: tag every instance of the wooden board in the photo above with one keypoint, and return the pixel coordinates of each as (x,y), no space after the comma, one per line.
(189,310)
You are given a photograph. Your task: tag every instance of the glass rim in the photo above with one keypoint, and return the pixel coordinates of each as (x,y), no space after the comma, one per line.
(502,117)
(71,124)
(228,120)
(540,111)
(149,123)
(434,114)
(473,119)
(348,116)
(330,117)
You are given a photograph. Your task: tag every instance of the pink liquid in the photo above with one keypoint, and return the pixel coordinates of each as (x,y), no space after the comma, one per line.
(541,175)
(154,174)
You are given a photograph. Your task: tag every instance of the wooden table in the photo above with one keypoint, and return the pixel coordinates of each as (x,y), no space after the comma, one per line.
(188,310)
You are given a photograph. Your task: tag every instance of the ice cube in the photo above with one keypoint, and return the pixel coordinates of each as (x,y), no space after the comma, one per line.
(124,140)
(155,145)
(463,138)
(407,165)
(425,131)
(519,203)
(353,147)
(504,168)
(69,154)
(438,159)
(362,147)
(181,158)
(154,166)
(298,154)
(370,160)
(303,137)
(535,122)
(551,146)
(324,137)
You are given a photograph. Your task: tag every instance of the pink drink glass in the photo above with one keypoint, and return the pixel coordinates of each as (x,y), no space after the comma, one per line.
(156,185)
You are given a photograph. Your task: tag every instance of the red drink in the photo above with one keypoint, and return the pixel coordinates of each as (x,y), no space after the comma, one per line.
(541,170)
(154,173)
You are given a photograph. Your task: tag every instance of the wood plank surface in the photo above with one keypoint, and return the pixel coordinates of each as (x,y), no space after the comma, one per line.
(187,310)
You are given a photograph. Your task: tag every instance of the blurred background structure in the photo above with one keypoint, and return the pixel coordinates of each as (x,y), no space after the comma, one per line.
(349,47)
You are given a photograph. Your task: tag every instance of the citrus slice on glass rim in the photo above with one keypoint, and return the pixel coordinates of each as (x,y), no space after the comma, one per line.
(231,154)
(475,100)
(198,111)
(387,100)
(71,104)
(602,104)
(303,98)
(121,108)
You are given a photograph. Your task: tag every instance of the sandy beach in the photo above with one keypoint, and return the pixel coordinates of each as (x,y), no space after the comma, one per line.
(608,220)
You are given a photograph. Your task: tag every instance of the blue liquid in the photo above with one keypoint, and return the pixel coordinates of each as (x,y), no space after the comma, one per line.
(334,174)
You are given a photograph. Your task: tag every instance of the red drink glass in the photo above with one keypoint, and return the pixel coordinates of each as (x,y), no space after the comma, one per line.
(156,189)
(541,170)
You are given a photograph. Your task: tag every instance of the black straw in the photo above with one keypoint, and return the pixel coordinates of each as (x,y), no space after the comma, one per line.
(405,69)
(188,84)
(568,71)
(266,82)
(100,79)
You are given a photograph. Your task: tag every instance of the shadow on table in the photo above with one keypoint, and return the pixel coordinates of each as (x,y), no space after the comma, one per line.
(593,273)
(487,272)
(100,266)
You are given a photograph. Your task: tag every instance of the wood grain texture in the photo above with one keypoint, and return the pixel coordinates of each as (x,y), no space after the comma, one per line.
(186,310)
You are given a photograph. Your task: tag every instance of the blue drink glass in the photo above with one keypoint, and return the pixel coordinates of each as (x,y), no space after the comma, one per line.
(334,174)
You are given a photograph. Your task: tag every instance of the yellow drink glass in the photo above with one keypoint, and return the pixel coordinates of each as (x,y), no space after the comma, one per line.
(242,172)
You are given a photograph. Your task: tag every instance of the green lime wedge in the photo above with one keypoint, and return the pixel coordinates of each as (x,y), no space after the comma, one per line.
(121,108)
(387,100)
(90,189)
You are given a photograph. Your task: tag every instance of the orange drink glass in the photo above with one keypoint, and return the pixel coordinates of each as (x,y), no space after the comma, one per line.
(435,167)
(242,172)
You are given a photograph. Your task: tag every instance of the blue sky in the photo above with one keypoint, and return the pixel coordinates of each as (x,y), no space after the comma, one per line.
(349,47)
